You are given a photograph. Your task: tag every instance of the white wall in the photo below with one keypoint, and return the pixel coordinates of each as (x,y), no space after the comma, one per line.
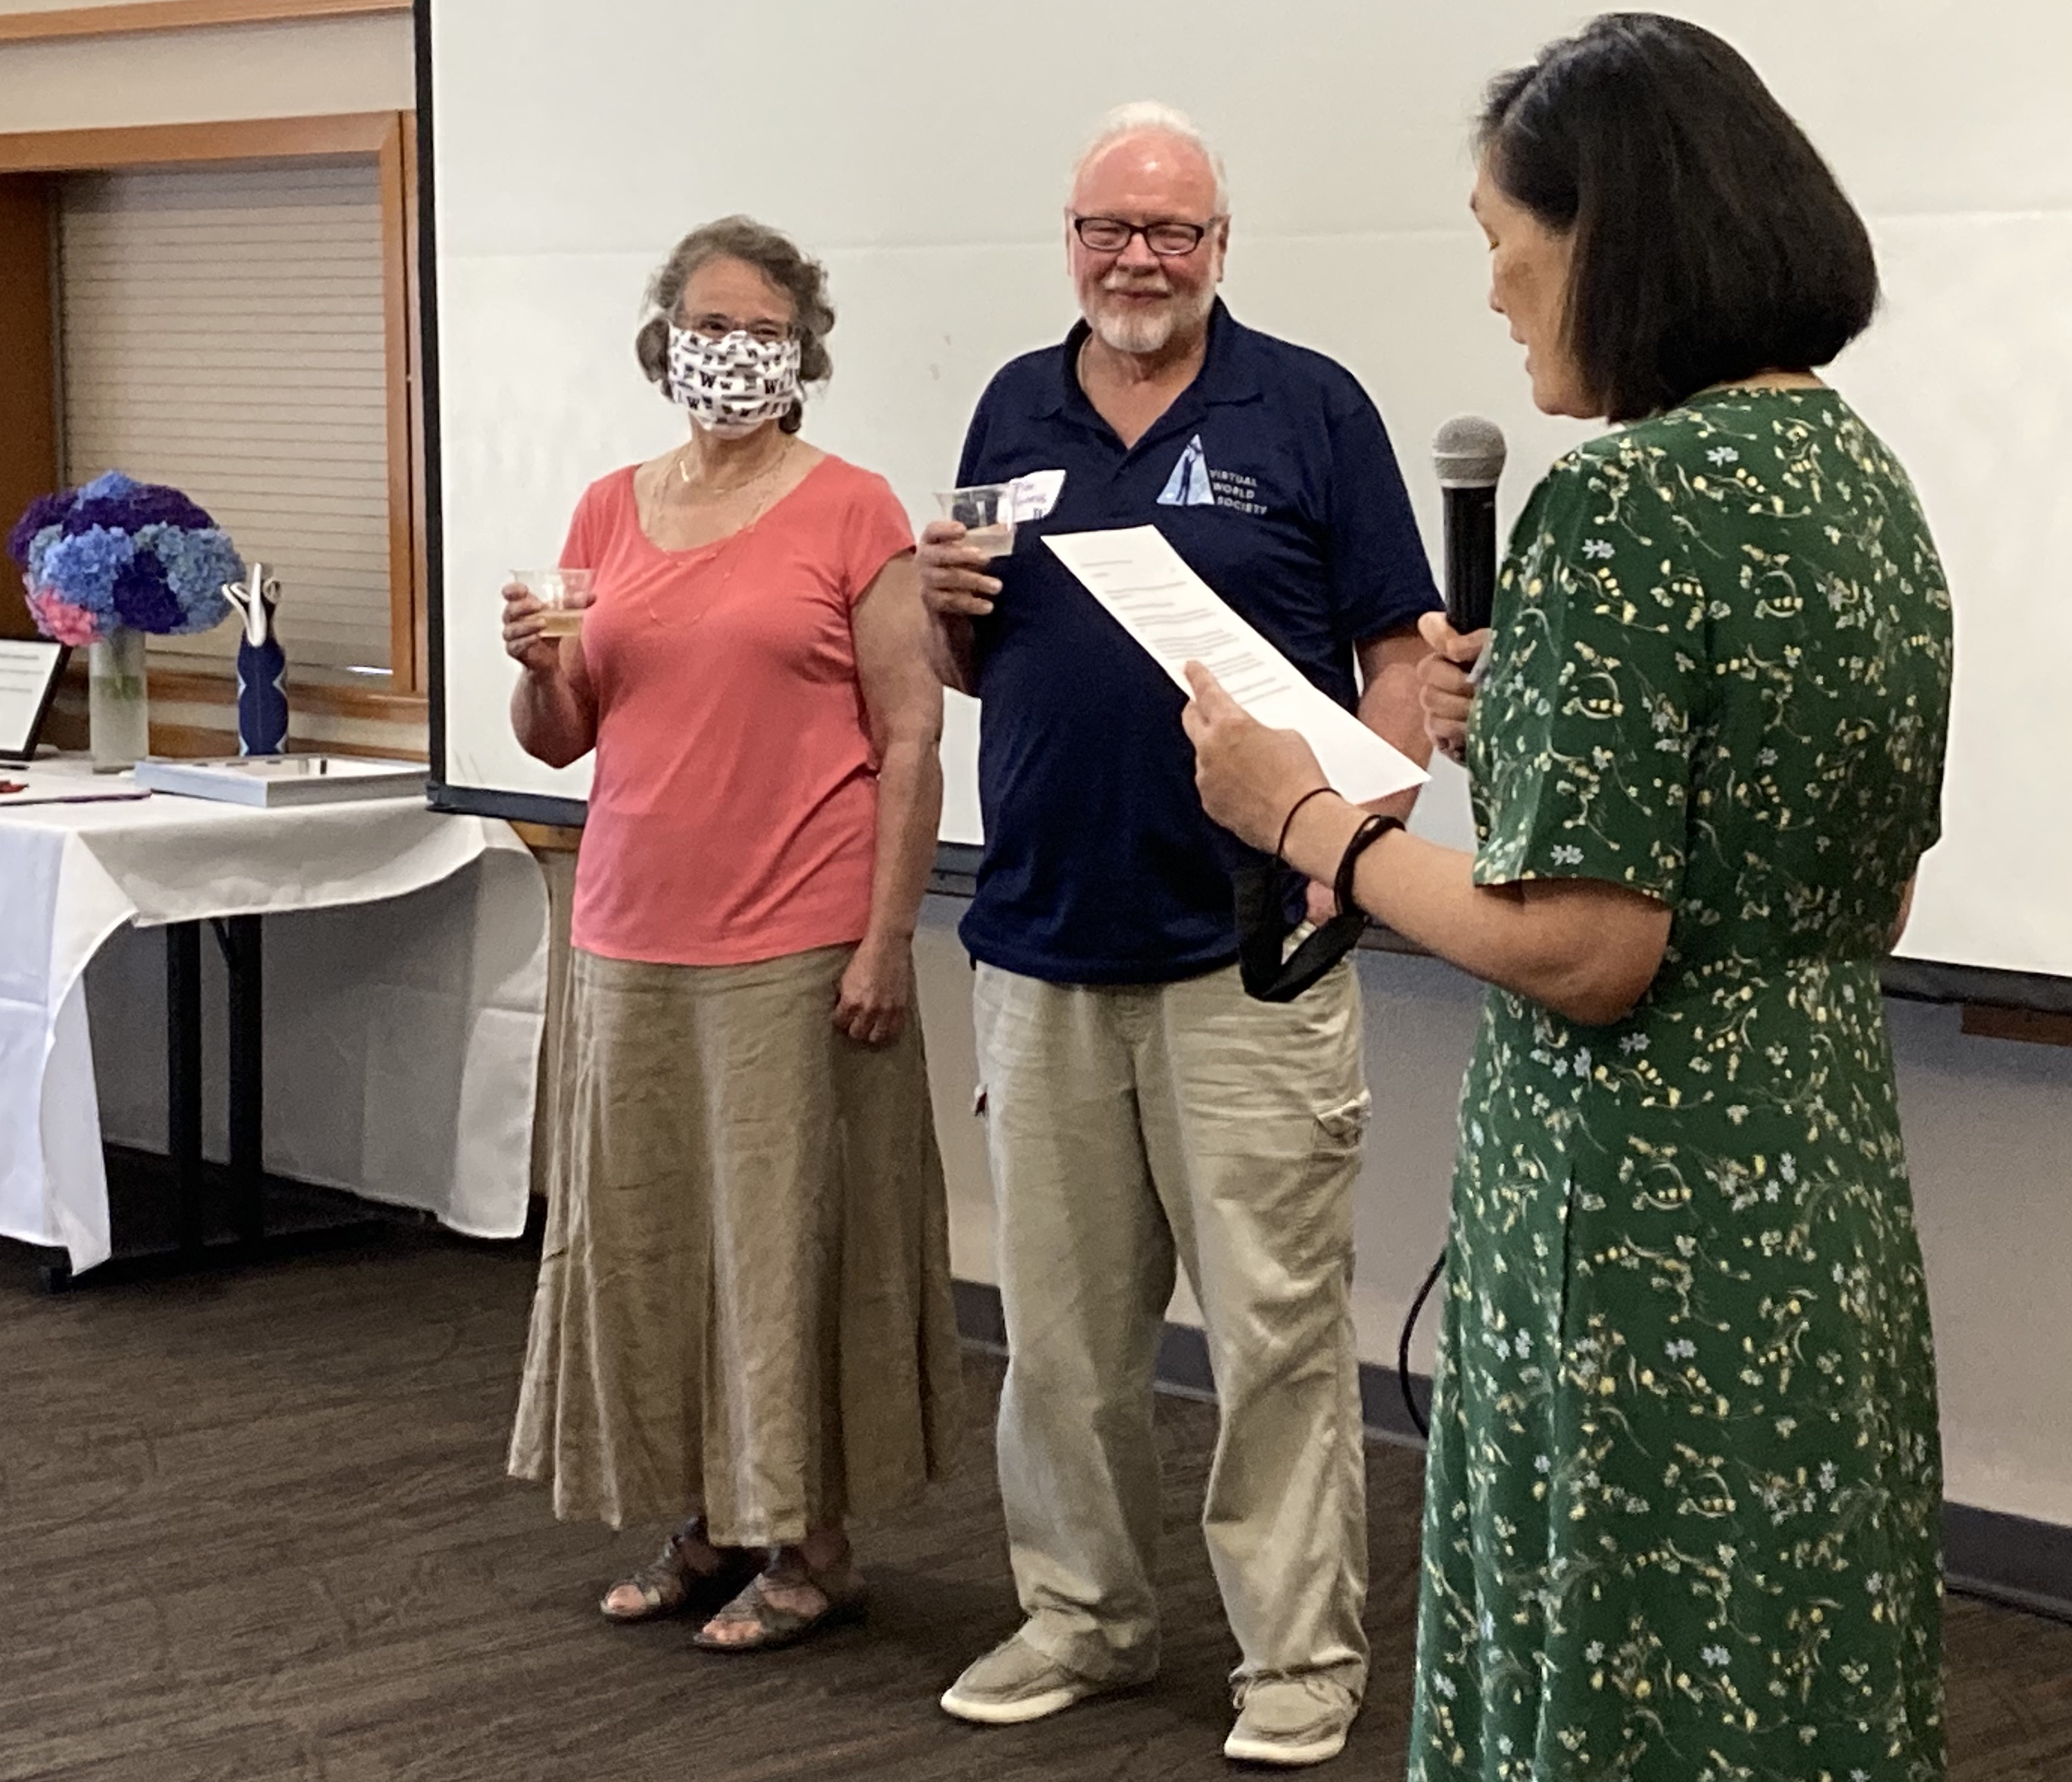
(298,70)
(1988,1127)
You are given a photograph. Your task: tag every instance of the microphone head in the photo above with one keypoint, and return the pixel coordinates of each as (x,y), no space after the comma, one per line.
(1468,452)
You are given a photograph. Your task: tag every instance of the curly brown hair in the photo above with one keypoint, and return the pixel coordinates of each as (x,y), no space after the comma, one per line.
(773,254)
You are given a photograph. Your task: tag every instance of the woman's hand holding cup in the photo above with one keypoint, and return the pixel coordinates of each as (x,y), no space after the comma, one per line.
(540,609)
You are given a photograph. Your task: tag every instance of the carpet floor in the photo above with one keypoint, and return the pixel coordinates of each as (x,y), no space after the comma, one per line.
(254,1528)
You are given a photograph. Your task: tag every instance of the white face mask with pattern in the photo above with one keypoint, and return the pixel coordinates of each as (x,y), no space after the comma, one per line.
(735,384)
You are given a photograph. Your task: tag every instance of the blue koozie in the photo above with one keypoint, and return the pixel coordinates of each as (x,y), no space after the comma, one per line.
(262,700)
(262,668)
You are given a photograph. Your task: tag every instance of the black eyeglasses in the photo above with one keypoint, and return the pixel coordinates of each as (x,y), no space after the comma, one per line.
(1168,241)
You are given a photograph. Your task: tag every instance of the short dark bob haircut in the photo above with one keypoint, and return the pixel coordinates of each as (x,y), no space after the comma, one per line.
(1712,242)
(771,253)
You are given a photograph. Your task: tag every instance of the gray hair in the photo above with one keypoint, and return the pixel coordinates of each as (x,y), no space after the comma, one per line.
(773,254)
(1153,118)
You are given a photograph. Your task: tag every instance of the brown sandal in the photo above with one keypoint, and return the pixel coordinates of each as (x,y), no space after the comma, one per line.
(843,1594)
(670,1584)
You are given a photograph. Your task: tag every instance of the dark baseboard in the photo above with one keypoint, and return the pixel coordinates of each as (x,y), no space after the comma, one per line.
(979,1319)
(2005,1559)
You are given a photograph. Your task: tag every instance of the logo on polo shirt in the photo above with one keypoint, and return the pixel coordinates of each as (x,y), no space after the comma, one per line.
(1188,486)
(1194,484)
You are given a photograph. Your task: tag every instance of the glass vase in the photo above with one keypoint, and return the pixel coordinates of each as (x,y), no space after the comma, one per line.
(118,708)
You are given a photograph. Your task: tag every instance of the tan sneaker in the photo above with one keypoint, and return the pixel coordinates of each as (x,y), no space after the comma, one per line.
(1290,1721)
(1014,1683)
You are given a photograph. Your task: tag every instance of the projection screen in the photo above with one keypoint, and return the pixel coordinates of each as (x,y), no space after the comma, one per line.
(922,150)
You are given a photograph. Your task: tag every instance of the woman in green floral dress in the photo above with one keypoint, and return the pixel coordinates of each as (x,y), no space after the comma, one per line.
(1683,1489)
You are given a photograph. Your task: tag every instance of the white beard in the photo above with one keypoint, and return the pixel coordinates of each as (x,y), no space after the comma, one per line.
(1130,332)
(1133,333)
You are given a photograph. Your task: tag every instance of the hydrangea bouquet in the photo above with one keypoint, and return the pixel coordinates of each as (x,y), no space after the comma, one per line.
(106,562)
(115,552)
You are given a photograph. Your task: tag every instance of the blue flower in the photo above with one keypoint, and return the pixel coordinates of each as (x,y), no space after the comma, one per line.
(44,515)
(82,569)
(107,484)
(197,564)
(39,548)
(114,500)
(117,550)
(143,601)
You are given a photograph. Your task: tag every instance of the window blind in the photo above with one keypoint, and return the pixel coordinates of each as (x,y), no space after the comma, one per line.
(222,331)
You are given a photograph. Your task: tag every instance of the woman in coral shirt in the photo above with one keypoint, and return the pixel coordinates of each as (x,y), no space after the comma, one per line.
(743,1323)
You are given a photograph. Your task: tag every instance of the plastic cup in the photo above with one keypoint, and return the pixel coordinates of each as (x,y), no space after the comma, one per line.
(983,512)
(564,593)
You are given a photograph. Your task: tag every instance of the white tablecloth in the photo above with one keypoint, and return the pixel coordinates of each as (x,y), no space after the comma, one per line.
(405,979)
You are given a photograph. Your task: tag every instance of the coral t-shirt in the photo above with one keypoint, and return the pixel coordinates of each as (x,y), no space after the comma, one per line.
(733,809)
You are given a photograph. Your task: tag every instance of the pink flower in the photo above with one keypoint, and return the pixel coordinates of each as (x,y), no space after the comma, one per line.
(59,619)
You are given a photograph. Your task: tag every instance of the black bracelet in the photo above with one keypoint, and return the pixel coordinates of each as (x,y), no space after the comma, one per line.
(1365,836)
(1280,847)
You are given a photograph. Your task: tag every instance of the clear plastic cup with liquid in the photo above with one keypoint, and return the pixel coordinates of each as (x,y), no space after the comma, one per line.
(986,512)
(564,593)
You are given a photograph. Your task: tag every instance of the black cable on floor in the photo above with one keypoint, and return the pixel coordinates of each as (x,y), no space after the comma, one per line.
(1403,1346)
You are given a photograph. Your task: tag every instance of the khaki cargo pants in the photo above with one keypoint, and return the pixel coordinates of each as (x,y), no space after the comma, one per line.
(1130,1127)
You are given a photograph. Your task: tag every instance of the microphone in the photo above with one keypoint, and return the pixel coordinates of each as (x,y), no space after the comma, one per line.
(1468,454)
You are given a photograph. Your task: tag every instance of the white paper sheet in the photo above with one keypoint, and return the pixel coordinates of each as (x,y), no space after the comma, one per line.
(27,665)
(1179,618)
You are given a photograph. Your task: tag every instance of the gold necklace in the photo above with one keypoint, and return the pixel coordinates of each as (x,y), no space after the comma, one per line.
(684,472)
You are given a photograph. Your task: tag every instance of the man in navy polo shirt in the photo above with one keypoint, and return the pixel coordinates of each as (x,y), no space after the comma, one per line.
(1142,1109)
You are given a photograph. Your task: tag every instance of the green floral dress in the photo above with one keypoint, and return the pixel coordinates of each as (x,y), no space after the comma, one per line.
(1684,1481)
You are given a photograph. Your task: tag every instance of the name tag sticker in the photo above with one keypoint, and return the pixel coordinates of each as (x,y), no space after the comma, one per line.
(1032,497)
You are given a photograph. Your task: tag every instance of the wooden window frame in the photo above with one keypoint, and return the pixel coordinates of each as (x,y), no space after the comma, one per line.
(155,16)
(32,160)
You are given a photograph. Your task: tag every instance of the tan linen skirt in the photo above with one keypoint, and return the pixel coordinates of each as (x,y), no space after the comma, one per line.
(744,1305)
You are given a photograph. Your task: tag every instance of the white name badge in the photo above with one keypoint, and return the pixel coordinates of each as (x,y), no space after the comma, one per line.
(1032,497)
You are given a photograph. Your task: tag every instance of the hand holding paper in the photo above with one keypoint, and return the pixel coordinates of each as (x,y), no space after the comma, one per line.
(1249,777)
(1178,619)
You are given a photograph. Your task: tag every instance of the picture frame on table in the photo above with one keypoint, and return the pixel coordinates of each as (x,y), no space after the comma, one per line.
(30,668)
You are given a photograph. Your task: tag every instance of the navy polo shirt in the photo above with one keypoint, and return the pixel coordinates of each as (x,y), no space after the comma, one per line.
(1273,475)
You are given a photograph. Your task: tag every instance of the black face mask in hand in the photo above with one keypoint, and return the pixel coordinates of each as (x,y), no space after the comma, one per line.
(1269,973)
